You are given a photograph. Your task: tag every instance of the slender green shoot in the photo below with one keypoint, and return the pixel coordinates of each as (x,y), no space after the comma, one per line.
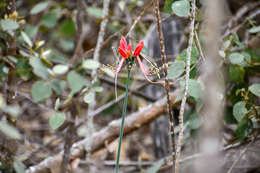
(123,121)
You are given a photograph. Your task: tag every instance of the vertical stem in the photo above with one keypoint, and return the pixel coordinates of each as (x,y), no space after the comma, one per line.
(187,76)
(166,83)
(123,121)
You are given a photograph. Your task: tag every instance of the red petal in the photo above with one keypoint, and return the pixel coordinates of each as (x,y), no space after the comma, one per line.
(129,47)
(123,43)
(138,48)
(122,52)
(143,68)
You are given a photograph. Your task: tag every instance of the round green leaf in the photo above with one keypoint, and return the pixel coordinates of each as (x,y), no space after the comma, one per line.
(39,7)
(243,128)
(19,166)
(181,8)
(96,12)
(109,72)
(98,89)
(68,27)
(236,58)
(89,97)
(236,73)
(49,20)
(90,64)
(239,110)
(39,68)
(57,120)
(60,69)
(194,121)
(255,89)
(255,29)
(76,81)
(176,69)
(9,130)
(194,89)
(58,86)
(8,24)
(41,91)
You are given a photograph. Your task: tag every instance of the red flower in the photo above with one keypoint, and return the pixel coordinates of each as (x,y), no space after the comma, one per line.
(125,52)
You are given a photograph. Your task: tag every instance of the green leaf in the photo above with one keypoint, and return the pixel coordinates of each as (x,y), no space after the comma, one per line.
(23,69)
(194,89)
(39,8)
(90,64)
(155,167)
(13,110)
(96,12)
(183,55)
(255,29)
(19,167)
(236,73)
(58,86)
(121,5)
(239,110)
(176,69)
(10,130)
(89,97)
(57,104)
(57,120)
(194,121)
(39,69)
(76,81)
(98,89)
(27,39)
(60,69)
(236,58)
(168,6)
(255,89)
(109,72)
(49,20)
(31,30)
(41,91)
(8,24)
(181,8)
(243,129)
(66,44)
(68,27)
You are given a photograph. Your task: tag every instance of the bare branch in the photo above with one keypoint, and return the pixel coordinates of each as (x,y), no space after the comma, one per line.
(187,77)
(166,84)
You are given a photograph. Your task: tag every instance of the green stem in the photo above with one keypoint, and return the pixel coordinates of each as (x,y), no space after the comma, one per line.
(123,121)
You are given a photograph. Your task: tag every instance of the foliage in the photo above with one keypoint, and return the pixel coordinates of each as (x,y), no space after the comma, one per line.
(41,69)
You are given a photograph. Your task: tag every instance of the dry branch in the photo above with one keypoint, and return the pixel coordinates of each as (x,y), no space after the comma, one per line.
(187,76)
(133,122)
(166,84)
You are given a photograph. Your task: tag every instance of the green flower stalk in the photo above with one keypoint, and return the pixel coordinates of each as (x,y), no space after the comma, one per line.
(125,50)
(123,121)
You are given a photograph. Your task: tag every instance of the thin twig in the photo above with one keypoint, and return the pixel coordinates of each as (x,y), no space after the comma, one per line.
(138,19)
(187,76)
(199,45)
(79,34)
(94,72)
(166,84)
(77,53)
(240,155)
